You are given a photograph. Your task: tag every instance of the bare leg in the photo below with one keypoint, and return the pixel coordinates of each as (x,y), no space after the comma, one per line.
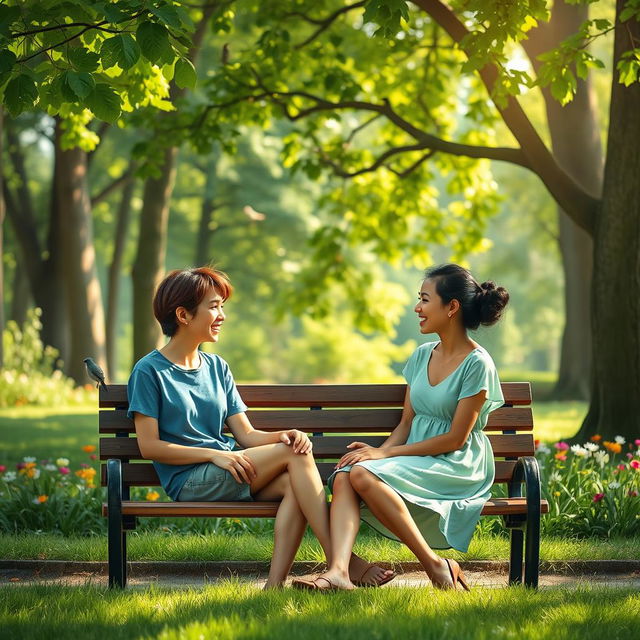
(272,460)
(391,510)
(288,531)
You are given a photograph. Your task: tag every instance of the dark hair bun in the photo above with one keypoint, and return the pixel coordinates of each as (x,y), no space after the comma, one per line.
(491,301)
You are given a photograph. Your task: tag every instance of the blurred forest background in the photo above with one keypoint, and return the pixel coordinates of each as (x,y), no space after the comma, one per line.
(326,259)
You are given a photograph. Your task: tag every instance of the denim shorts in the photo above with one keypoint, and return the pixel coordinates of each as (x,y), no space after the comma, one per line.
(209,483)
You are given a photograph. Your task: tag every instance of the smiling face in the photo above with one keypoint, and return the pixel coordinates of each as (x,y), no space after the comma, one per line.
(433,314)
(205,324)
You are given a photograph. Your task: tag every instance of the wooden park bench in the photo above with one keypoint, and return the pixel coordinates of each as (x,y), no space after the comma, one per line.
(330,412)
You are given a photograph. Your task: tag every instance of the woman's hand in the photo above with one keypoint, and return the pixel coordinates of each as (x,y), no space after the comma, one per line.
(237,464)
(362,452)
(300,441)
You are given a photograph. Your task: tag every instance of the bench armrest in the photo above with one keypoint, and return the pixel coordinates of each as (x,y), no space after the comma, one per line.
(527,472)
(114,486)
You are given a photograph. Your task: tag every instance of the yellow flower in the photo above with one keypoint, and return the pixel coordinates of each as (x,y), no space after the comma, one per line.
(556,493)
(88,448)
(152,496)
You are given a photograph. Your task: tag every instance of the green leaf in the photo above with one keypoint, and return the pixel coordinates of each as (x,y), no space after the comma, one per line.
(104,102)
(168,15)
(20,94)
(8,15)
(7,60)
(154,42)
(113,14)
(121,50)
(81,83)
(185,74)
(83,59)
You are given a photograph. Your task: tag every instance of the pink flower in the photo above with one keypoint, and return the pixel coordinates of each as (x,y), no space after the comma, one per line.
(2,468)
(598,497)
(637,442)
(84,465)
(93,456)
(561,446)
(633,493)
(635,464)
(560,456)
(622,467)
(64,470)
(629,455)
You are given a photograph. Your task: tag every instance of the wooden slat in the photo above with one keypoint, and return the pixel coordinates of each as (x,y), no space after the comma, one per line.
(493,506)
(312,395)
(144,475)
(333,420)
(331,446)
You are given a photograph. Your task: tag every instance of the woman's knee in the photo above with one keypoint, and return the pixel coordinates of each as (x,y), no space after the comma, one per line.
(360,478)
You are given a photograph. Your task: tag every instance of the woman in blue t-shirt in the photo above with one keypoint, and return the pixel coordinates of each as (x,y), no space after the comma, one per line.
(180,399)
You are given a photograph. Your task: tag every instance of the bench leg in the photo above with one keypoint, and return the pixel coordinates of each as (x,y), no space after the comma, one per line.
(515,558)
(532,551)
(117,536)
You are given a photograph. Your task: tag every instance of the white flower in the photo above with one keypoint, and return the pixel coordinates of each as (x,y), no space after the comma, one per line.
(555,477)
(614,485)
(35,501)
(580,451)
(637,453)
(28,459)
(543,448)
(51,467)
(602,457)
(36,473)
(619,439)
(9,476)
(62,462)
(591,446)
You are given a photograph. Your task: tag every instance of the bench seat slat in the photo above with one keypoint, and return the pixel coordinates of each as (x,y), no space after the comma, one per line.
(312,395)
(144,474)
(493,506)
(331,446)
(340,420)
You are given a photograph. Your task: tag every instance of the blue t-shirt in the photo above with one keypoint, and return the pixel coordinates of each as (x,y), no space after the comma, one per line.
(190,405)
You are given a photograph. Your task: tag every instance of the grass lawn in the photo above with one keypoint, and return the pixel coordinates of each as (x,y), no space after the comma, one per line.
(162,547)
(232,609)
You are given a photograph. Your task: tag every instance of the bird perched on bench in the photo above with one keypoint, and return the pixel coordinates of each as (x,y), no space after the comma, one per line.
(95,372)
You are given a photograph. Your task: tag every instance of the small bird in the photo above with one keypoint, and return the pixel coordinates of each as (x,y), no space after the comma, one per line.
(95,372)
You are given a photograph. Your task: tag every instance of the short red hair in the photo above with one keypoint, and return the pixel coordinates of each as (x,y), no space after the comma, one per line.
(186,288)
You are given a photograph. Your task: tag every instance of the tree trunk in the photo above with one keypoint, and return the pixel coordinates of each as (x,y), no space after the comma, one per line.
(148,268)
(206,213)
(2,215)
(44,273)
(122,228)
(576,144)
(615,401)
(84,298)
(21,298)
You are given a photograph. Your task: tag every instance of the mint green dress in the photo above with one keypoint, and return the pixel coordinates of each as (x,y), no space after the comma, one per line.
(444,493)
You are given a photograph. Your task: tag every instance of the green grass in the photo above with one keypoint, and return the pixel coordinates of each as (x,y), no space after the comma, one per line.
(159,547)
(233,609)
(553,421)
(47,433)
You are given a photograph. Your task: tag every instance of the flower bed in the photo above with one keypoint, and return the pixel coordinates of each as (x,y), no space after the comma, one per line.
(592,489)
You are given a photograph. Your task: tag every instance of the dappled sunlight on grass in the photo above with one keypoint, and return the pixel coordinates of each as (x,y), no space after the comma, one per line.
(553,421)
(233,609)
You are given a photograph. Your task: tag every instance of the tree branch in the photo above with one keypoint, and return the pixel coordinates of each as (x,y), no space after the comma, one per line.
(323,23)
(113,186)
(581,207)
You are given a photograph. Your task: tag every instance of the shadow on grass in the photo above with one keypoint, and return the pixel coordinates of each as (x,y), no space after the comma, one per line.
(236,610)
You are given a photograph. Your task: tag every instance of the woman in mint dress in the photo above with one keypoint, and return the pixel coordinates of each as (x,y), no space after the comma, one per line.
(427,483)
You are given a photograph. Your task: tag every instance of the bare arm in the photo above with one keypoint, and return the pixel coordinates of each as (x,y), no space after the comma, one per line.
(153,448)
(400,434)
(247,436)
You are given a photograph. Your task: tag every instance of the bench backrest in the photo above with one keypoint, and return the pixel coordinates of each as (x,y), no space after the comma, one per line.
(367,412)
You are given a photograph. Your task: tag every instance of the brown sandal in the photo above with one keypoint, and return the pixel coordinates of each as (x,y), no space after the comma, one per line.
(361,583)
(456,576)
(312,585)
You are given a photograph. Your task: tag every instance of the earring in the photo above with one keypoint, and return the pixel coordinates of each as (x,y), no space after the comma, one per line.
(449,314)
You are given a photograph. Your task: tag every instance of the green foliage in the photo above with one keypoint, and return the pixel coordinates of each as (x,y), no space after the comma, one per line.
(28,375)
(63,56)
